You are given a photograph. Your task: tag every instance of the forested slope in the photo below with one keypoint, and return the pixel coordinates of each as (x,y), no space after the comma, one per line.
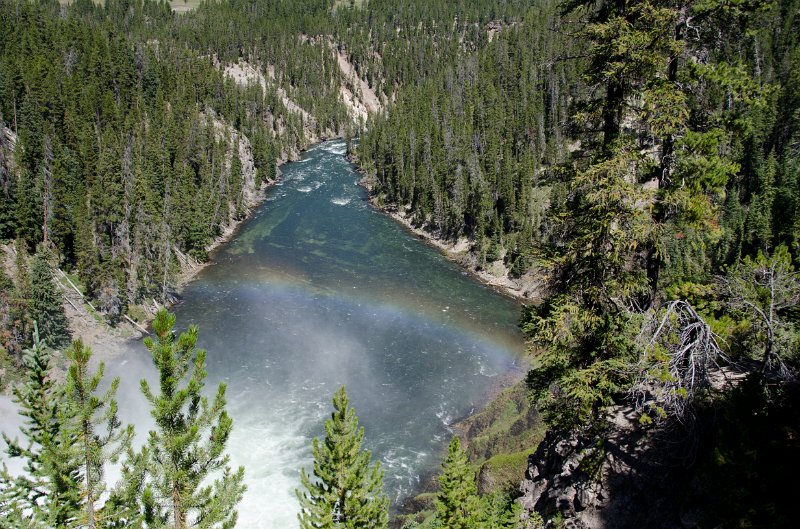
(125,149)
(133,137)
(639,156)
(471,150)
(483,148)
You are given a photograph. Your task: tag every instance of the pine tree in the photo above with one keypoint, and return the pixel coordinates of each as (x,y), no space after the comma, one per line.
(132,504)
(47,492)
(764,288)
(20,313)
(13,514)
(100,437)
(620,234)
(27,214)
(237,184)
(46,305)
(347,491)
(188,445)
(8,192)
(457,503)
(498,511)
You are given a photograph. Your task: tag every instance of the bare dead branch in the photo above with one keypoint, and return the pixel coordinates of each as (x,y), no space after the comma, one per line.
(679,354)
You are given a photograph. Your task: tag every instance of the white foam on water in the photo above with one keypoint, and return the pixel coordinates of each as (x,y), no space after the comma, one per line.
(273,449)
(485,371)
(10,425)
(338,148)
(340,201)
(304,189)
(444,416)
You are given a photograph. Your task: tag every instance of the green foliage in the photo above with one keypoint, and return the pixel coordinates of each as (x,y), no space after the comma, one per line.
(641,221)
(508,425)
(505,471)
(188,445)
(46,302)
(762,290)
(28,213)
(535,521)
(73,433)
(429,522)
(10,370)
(125,141)
(99,436)
(8,187)
(499,511)
(48,492)
(345,492)
(457,503)
(12,320)
(582,367)
(132,502)
(463,147)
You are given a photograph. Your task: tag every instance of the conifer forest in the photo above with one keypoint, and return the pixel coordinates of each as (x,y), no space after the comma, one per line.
(569,230)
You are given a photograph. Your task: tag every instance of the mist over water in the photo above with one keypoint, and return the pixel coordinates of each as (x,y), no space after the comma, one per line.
(318,290)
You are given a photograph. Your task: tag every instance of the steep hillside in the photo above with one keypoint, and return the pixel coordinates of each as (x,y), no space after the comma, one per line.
(734,470)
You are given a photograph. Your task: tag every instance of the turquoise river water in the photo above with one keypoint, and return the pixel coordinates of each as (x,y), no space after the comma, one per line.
(318,289)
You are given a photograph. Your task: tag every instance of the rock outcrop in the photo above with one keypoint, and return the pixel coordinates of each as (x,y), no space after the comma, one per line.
(359,98)
(626,479)
(243,73)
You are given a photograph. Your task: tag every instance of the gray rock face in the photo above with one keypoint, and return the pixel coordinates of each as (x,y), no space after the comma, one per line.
(616,483)
(555,481)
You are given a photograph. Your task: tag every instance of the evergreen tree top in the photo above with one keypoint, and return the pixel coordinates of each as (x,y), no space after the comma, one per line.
(347,491)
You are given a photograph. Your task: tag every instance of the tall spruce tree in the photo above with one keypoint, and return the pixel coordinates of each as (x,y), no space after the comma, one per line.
(637,201)
(347,491)
(457,503)
(46,304)
(99,434)
(188,445)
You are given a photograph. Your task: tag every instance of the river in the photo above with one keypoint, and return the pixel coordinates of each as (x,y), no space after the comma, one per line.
(318,289)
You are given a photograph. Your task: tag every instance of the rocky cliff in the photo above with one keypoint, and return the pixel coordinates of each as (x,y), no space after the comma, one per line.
(610,478)
(734,465)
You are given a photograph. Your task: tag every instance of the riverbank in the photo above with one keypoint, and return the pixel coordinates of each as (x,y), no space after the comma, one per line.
(109,343)
(501,433)
(498,438)
(526,288)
